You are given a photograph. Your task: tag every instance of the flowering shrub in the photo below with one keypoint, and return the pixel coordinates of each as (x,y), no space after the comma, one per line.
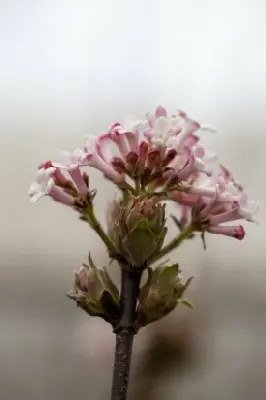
(160,158)
(157,160)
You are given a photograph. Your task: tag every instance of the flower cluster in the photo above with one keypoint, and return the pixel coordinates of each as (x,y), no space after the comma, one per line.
(161,157)
(95,292)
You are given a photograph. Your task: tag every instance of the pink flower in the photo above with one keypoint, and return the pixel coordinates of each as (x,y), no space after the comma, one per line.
(183,198)
(59,178)
(208,216)
(71,161)
(163,153)
(162,127)
(97,155)
(118,136)
(45,186)
(127,136)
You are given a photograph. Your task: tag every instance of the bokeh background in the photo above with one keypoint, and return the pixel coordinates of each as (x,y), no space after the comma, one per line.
(69,68)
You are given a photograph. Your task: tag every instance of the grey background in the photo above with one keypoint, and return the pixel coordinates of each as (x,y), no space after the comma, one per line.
(69,68)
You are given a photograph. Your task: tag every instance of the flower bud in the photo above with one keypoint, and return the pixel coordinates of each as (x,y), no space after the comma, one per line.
(139,231)
(161,294)
(95,292)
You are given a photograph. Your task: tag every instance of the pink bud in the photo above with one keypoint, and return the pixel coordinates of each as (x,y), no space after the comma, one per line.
(184,198)
(154,159)
(237,231)
(120,140)
(133,141)
(169,157)
(160,112)
(79,181)
(119,165)
(57,175)
(61,196)
(132,159)
(143,152)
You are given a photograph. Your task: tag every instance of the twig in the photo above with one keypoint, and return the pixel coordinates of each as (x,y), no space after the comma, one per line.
(125,333)
(96,226)
(173,244)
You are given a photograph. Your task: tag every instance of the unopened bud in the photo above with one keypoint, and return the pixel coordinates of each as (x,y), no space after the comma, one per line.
(119,165)
(132,159)
(95,292)
(170,156)
(139,231)
(154,159)
(161,294)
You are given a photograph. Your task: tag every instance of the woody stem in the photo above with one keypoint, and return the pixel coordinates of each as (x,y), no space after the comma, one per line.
(125,331)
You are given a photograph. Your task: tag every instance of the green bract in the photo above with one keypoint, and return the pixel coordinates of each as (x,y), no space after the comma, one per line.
(161,294)
(139,231)
(96,293)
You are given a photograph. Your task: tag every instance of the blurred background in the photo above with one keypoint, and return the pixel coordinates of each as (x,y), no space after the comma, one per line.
(70,68)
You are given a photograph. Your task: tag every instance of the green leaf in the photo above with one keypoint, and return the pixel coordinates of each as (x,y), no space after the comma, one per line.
(188,282)
(167,275)
(145,289)
(186,302)
(71,295)
(91,263)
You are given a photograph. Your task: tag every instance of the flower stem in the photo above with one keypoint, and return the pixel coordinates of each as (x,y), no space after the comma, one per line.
(173,244)
(96,226)
(138,185)
(125,333)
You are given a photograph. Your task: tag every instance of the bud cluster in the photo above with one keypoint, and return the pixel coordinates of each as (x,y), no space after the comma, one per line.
(160,295)
(139,231)
(95,293)
(158,159)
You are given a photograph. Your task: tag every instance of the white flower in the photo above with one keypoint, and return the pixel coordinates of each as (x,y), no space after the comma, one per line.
(43,185)
(163,130)
(71,161)
(247,208)
(131,130)
(132,125)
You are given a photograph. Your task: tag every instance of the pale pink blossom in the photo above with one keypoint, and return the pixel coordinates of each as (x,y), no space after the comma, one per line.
(61,196)
(118,136)
(59,178)
(165,153)
(72,162)
(183,198)
(127,135)
(162,127)
(45,186)
(208,215)
(79,181)
(96,157)
(188,127)
(203,191)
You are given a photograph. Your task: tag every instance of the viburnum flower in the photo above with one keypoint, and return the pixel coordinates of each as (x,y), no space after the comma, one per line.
(43,185)
(51,182)
(152,161)
(163,155)
(72,163)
